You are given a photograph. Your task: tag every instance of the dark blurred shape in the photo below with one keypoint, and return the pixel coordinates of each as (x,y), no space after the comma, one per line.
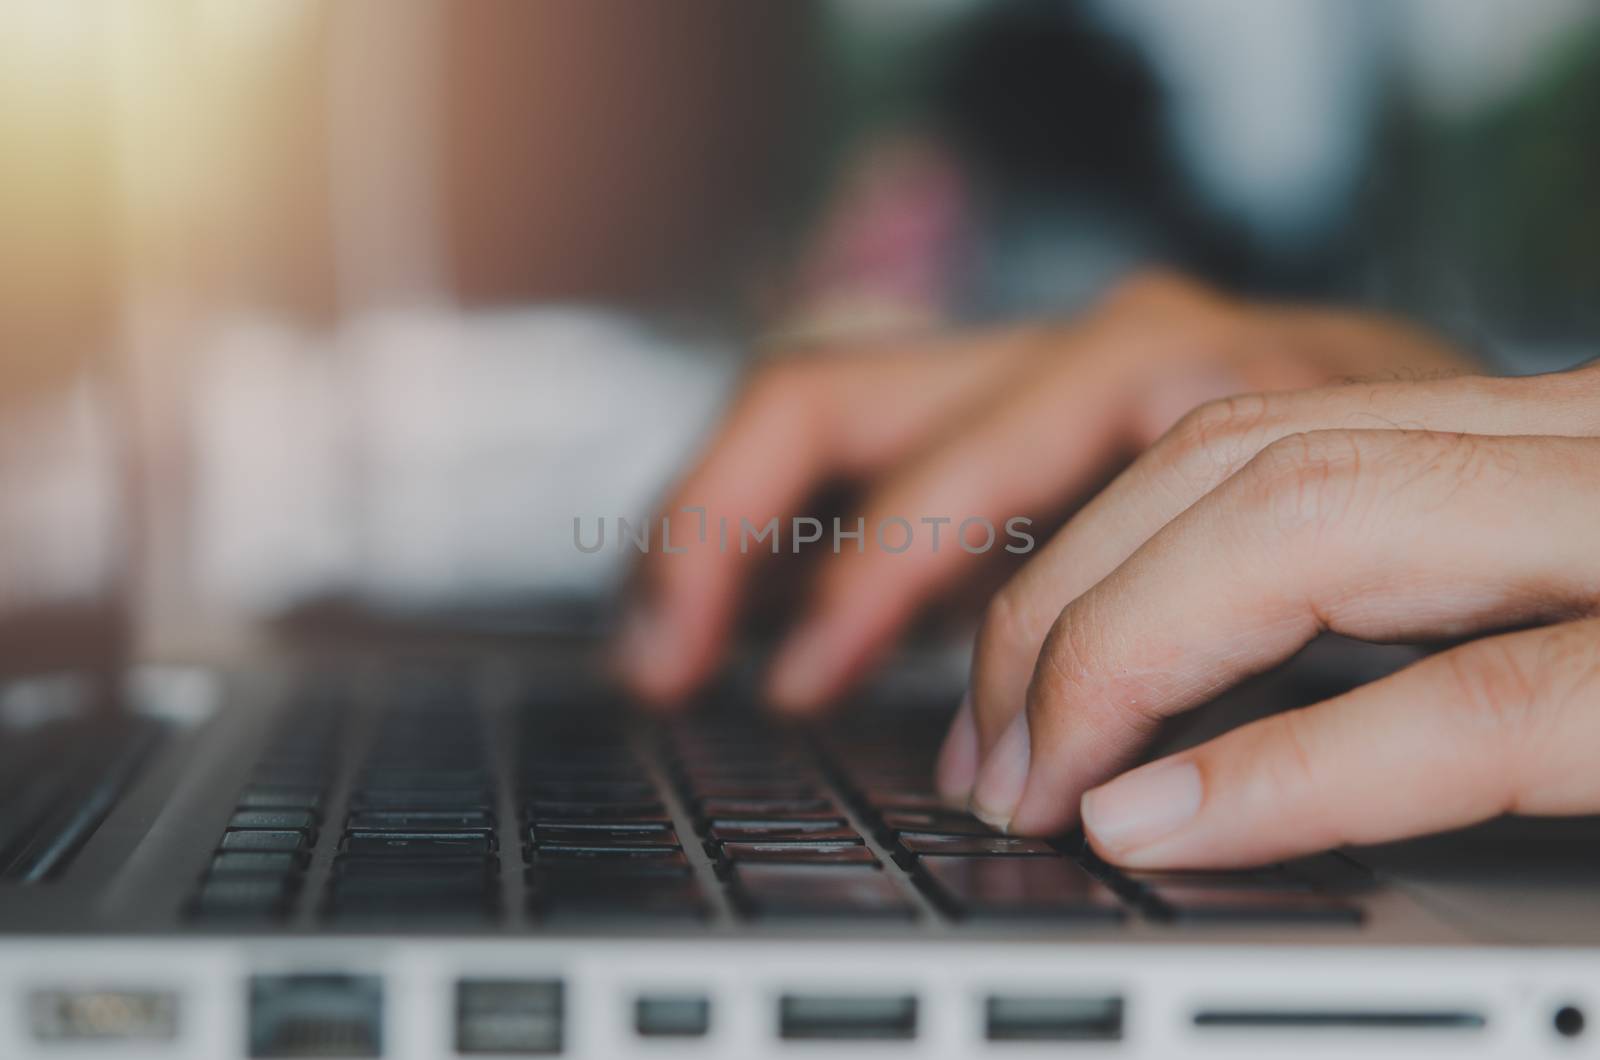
(614,151)
(1043,98)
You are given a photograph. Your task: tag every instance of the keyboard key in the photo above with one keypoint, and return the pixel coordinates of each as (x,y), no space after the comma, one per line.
(923,844)
(597,811)
(417,844)
(263,841)
(618,898)
(781,831)
(463,870)
(660,864)
(607,851)
(935,822)
(581,791)
(1241,906)
(659,835)
(421,821)
(985,888)
(243,896)
(800,853)
(423,779)
(270,798)
(258,863)
(807,891)
(817,808)
(273,820)
(901,799)
(764,791)
(421,799)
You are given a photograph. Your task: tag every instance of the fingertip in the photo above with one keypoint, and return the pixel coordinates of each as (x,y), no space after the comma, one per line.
(1002,776)
(805,673)
(957,766)
(1149,805)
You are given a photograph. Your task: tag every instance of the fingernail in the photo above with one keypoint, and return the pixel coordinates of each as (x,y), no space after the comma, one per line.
(1143,806)
(800,675)
(958,758)
(1003,775)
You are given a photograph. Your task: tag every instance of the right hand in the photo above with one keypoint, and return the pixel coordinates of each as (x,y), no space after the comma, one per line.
(1018,421)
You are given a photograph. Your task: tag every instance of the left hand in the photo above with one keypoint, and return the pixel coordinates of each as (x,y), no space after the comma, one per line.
(1408,510)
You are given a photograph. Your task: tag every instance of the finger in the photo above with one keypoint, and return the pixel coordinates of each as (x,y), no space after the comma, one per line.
(864,597)
(799,423)
(1505,725)
(1207,447)
(1375,534)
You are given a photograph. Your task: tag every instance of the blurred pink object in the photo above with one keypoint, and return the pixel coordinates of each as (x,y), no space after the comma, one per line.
(891,247)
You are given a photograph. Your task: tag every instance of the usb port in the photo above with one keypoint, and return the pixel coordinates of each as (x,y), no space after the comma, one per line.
(522,1016)
(1042,1018)
(65,1016)
(840,1018)
(316,1015)
(672,1016)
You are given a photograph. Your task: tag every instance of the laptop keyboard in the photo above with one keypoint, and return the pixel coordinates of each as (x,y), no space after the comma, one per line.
(439,816)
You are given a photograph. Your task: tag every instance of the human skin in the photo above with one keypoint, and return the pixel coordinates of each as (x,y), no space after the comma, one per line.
(1432,505)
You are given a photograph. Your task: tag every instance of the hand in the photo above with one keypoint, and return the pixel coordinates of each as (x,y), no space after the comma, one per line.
(1015,422)
(1395,511)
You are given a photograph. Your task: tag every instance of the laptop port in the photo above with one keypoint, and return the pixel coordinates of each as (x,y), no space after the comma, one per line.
(316,1015)
(847,1018)
(67,1016)
(1254,1019)
(672,1016)
(1044,1018)
(518,1016)
(1568,1021)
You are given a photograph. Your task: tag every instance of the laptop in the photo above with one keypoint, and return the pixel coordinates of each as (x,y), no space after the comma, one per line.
(475,847)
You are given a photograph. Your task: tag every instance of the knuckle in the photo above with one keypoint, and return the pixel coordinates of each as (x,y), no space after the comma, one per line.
(1304,480)
(1214,439)
(1495,686)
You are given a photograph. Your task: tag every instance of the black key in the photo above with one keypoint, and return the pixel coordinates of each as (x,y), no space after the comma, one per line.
(464,870)
(922,844)
(658,864)
(424,779)
(934,822)
(410,907)
(269,798)
(1001,888)
(590,791)
(607,851)
(800,853)
(880,798)
(785,832)
(786,808)
(414,890)
(421,821)
(243,896)
(778,891)
(263,841)
(417,844)
(289,776)
(258,863)
(618,898)
(272,820)
(1235,905)
(597,811)
(579,825)
(763,790)
(420,799)
(1250,880)
(662,836)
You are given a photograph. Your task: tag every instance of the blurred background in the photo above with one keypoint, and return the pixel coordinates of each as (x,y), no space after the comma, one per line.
(362,301)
